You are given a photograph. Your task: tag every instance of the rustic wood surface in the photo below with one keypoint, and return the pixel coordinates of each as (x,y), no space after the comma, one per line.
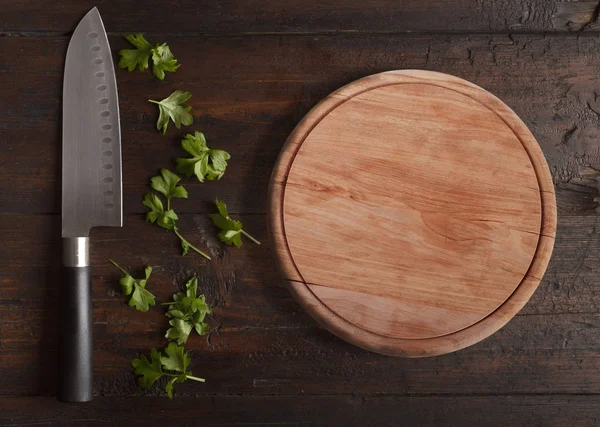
(255,69)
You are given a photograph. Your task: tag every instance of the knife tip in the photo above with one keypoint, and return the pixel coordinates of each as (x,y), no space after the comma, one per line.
(93,11)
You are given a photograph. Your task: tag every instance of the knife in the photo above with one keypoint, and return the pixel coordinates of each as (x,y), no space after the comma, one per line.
(91,193)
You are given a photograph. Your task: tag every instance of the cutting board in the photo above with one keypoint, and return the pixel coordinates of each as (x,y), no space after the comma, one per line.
(412,213)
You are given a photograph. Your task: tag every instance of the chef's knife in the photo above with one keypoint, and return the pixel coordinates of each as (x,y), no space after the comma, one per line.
(91,192)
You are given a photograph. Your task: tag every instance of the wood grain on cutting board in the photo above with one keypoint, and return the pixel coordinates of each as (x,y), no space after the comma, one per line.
(409,206)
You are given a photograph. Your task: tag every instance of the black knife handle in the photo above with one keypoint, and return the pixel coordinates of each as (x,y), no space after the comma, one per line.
(75,349)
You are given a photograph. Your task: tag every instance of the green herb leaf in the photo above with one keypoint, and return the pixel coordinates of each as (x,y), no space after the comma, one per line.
(205,163)
(187,311)
(176,314)
(162,57)
(176,359)
(140,298)
(127,284)
(148,371)
(173,365)
(166,184)
(179,331)
(167,220)
(157,214)
(231,237)
(231,230)
(152,202)
(222,208)
(169,387)
(185,247)
(191,289)
(173,108)
(138,57)
(201,328)
(147,272)
(163,60)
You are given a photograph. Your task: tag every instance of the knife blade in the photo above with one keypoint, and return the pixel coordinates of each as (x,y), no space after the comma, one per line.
(91,192)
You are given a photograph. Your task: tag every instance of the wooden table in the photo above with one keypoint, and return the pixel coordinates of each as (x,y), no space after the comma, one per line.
(254,69)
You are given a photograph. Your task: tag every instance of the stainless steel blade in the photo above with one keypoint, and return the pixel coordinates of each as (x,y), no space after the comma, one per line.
(91,168)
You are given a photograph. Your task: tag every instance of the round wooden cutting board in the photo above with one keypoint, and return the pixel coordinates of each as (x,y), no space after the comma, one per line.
(412,213)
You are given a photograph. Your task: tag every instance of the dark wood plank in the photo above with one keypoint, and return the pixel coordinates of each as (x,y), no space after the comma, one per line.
(263,342)
(338,410)
(532,354)
(249,92)
(254,16)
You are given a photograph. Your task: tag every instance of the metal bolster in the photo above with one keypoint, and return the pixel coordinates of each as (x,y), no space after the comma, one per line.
(76,251)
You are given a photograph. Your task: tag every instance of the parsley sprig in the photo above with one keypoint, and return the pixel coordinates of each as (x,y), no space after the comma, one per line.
(187,311)
(173,108)
(140,297)
(205,162)
(231,230)
(162,57)
(167,184)
(173,364)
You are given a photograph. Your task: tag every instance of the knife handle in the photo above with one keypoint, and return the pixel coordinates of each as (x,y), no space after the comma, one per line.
(75,350)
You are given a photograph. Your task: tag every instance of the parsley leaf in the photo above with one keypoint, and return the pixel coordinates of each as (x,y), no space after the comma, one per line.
(140,297)
(166,184)
(187,311)
(138,57)
(163,60)
(231,230)
(173,365)
(162,57)
(157,214)
(175,359)
(185,247)
(172,108)
(148,371)
(205,162)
